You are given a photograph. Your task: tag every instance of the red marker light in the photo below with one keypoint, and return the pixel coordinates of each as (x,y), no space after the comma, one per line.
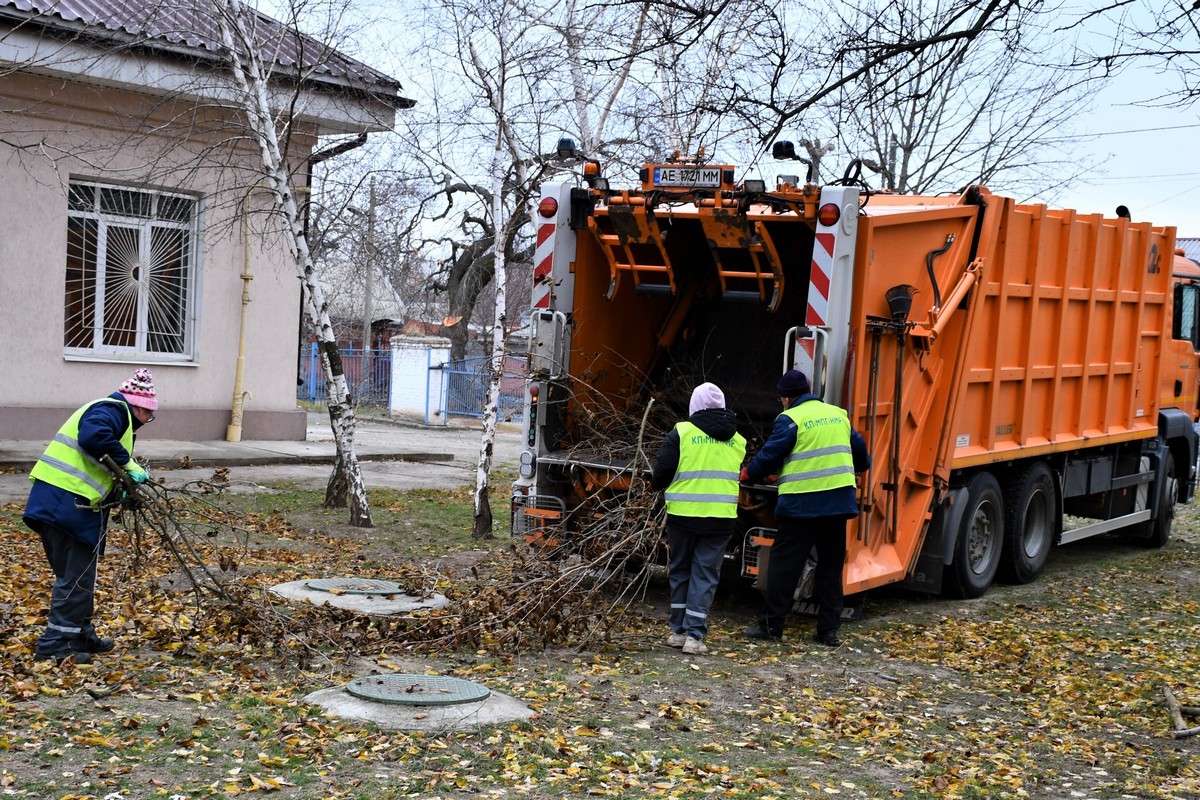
(533,391)
(548,207)
(827,215)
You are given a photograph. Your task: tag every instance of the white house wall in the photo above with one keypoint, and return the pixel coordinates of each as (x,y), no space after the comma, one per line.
(78,132)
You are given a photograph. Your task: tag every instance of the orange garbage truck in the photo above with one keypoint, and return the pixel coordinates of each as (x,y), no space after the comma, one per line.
(1023,376)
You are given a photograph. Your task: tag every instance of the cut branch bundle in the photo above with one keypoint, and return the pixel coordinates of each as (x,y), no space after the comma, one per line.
(528,599)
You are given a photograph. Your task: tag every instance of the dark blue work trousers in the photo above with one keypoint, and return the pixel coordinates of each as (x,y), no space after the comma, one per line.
(695,569)
(73,596)
(794,540)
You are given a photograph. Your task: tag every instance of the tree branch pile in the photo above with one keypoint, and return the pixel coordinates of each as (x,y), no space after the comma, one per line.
(524,599)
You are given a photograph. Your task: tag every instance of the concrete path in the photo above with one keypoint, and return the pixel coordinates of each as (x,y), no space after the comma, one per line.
(392,454)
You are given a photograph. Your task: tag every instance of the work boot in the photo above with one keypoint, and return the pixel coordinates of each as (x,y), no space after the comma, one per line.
(89,642)
(828,638)
(62,656)
(694,647)
(760,631)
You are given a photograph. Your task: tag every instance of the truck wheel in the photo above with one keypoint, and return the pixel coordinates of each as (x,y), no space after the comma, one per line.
(1032,518)
(1158,530)
(980,538)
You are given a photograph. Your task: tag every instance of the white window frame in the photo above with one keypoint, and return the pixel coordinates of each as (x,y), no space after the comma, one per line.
(145,226)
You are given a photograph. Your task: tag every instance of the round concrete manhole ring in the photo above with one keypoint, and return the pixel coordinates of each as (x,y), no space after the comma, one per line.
(417,690)
(354,586)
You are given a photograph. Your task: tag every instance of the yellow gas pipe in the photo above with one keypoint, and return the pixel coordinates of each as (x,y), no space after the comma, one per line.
(233,432)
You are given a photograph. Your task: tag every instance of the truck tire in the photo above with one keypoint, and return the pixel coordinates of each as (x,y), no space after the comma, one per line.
(1031,523)
(980,538)
(1158,530)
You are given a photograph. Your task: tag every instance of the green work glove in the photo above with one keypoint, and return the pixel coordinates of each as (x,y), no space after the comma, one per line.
(130,501)
(137,472)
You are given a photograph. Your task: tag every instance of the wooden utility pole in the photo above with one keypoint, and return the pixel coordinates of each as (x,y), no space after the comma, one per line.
(368,279)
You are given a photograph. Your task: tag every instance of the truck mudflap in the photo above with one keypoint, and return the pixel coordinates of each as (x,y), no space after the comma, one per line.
(937,550)
(1178,430)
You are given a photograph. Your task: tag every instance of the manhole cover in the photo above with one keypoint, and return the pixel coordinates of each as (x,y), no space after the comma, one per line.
(354,586)
(417,690)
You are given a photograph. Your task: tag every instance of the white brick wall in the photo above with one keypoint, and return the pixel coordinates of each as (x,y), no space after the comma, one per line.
(418,391)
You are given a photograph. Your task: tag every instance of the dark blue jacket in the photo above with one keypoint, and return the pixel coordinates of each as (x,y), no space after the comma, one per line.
(100,431)
(840,502)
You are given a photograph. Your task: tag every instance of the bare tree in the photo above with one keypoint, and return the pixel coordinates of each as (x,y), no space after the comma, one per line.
(245,60)
(495,59)
(677,66)
(344,252)
(1121,33)
(950,116)
(579,100)
(789,69)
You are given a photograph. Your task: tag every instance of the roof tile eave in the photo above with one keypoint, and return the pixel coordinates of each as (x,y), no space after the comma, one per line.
(182,23)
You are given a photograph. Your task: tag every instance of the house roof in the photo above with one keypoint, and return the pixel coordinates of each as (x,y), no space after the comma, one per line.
(1191,247)
(189,27)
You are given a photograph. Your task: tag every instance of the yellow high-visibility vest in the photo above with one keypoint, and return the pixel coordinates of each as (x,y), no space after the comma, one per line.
(706,481)
(821,459)
(67,466)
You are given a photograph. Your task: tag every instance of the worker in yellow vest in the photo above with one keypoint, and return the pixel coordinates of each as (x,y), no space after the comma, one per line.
(68,507)
(817,456)
(698,464)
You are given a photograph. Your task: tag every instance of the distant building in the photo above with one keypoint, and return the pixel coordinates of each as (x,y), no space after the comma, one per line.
(1190,246)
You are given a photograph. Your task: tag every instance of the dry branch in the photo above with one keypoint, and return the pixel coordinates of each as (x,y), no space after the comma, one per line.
(100,694)
(191,530)
(1181,731)
(150,507)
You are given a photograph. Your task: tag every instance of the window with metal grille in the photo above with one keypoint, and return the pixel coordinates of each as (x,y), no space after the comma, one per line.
(130,273)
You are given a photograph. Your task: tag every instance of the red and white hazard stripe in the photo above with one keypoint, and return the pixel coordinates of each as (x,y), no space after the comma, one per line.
(818,281)
(817,315)
(543,263)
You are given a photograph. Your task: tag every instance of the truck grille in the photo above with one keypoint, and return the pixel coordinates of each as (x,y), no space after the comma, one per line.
(533,515)
(755,551)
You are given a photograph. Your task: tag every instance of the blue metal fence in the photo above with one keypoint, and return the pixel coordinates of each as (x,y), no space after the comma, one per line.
(369,375)
(467,382)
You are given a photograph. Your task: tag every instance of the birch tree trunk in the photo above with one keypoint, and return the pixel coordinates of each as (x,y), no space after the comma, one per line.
(483,506)
(246,65)
(487,445)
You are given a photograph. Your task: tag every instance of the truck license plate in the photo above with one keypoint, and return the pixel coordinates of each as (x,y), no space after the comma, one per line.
(702,177)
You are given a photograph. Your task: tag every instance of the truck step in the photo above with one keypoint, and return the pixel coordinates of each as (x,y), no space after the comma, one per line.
(635,234)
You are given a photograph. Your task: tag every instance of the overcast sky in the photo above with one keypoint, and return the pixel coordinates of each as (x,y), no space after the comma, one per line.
(1149,156)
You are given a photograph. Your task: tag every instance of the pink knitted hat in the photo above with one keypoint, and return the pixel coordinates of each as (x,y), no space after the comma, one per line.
(139,390)
(706,395)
